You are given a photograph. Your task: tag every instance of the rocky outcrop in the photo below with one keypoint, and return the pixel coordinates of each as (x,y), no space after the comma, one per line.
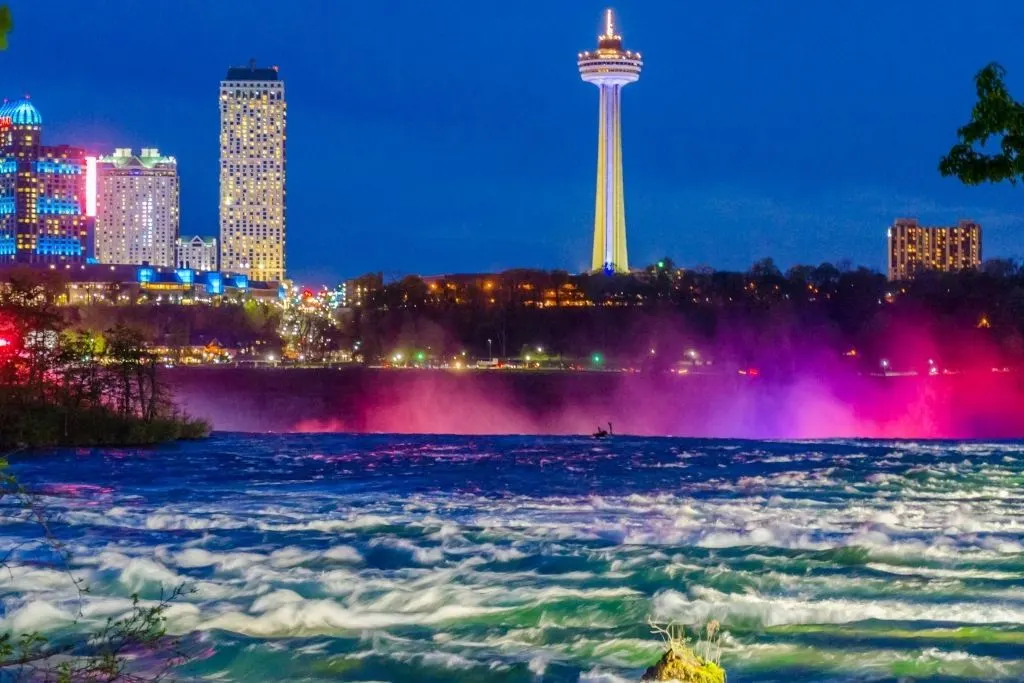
(680,664)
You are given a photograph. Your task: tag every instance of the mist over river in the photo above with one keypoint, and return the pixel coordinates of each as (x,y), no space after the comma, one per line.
(338,557)
(979,405)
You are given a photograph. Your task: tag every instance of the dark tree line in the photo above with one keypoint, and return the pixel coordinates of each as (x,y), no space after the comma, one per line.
(60,385)
(761,316)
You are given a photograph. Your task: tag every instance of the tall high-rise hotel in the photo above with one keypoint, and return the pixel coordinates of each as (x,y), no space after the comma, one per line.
(137,208)
(252,173)
(610,68)
(914,248)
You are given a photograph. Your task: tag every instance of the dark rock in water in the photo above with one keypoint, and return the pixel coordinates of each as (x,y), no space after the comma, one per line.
(684,666)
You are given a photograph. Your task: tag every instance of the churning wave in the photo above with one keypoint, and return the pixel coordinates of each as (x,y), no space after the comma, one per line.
(376,558)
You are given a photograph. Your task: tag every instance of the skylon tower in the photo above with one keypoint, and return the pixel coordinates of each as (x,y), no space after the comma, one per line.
(610,68)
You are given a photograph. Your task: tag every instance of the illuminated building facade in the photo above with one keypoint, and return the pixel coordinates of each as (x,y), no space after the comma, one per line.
(513,287)
(91,283)
(198,253)
(137,208)
(610,68)
(46,193)
(252,173)
(914,248)
(359,291)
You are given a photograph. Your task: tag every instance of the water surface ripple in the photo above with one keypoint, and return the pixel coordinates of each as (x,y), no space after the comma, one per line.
(384,558)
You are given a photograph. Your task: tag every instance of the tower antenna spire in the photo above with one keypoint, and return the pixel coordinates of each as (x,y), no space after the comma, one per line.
(609,23)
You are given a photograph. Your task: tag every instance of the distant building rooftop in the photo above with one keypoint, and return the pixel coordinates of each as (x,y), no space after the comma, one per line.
(150,157)
(198,240)
(252,73)
(21,113)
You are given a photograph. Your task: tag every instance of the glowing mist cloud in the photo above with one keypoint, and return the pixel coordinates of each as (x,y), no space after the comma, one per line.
(812,393)
(90,186)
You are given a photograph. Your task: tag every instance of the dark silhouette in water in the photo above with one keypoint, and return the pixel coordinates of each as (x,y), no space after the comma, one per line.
(601,433)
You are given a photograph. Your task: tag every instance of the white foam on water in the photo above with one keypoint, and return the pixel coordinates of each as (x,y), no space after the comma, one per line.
(703,604)
(192,558)
(322,617)
(343,553)
(353,523)
(944,573)
(276,599)
(140,573)
(862,664)
(181,521)
(444,660)
(419,554)
(599,675)
(18,578)
(36,616)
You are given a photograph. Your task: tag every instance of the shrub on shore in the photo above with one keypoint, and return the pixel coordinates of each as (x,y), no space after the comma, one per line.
(40,425)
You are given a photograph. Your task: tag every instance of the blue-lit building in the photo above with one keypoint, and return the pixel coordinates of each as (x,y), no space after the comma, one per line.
(47,193)
(128,284)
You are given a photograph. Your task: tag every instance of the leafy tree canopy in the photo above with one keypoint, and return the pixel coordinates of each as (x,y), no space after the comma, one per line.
(6,25)
(997,119)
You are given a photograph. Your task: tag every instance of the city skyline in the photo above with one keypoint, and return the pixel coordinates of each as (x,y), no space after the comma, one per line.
(717,174)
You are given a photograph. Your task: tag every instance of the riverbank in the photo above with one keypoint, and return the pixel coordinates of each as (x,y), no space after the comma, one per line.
(41,425)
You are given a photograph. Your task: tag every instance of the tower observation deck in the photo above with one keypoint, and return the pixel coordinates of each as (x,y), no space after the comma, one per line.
(610,68)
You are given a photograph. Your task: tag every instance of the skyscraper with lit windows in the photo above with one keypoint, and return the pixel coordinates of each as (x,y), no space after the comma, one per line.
(137,213)
(914,248)
(252,172)
(47,194)
(610,68)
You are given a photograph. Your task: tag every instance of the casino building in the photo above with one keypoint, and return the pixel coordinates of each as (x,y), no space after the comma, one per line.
(47,193)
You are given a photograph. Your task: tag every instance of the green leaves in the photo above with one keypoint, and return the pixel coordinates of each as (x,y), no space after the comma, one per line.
(996,117)
(6,25)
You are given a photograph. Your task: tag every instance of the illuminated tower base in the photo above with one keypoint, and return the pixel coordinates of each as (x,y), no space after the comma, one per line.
(610,68)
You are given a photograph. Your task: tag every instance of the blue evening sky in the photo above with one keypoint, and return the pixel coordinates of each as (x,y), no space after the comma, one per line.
(456,136)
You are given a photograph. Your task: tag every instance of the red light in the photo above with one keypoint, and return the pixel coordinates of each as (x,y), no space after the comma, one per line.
(753,372)
(90,186)
(307,294)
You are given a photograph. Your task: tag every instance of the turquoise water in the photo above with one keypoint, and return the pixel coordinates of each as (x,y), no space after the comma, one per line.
(376,558)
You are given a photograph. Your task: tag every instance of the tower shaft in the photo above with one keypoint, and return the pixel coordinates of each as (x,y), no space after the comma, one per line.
(609,207)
